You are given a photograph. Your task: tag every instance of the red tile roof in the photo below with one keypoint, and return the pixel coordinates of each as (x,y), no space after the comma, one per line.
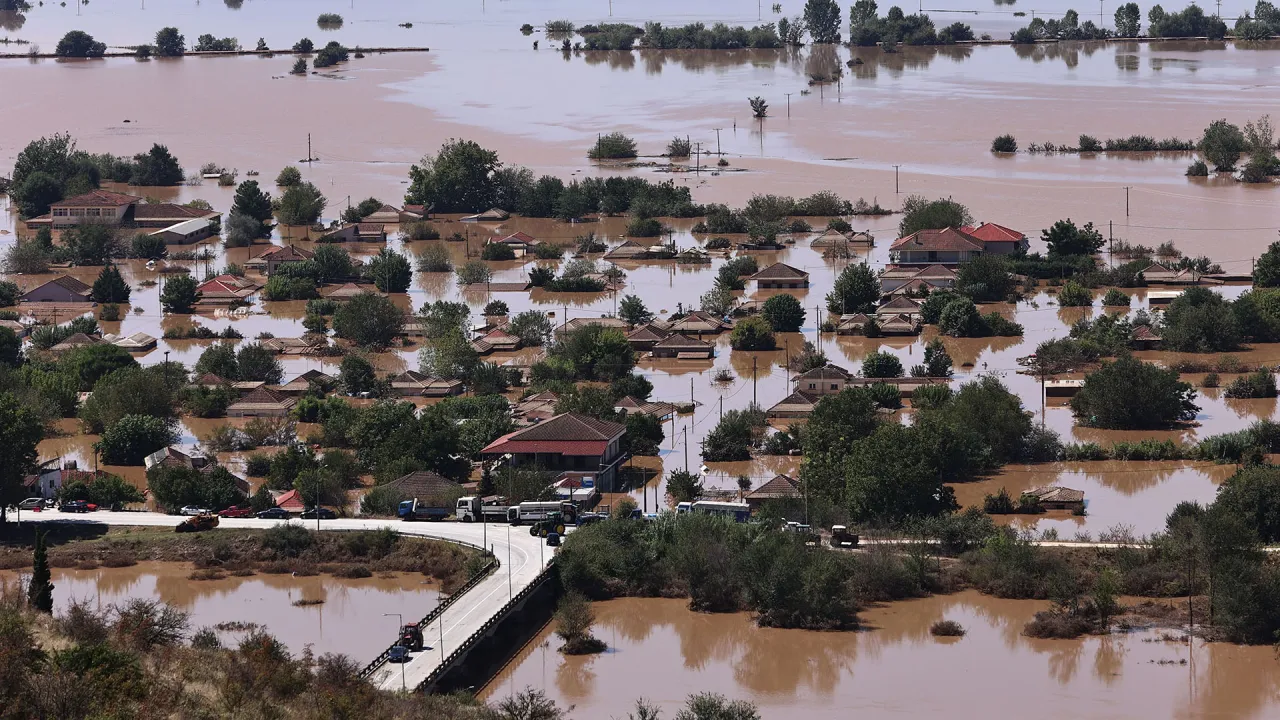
(518,238)
(169,211)
(991,232)
(946,239)
(97,198)
(780,271)
(567,434)
(291,501)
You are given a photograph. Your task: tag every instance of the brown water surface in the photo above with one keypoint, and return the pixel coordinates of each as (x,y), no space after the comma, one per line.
(894,668)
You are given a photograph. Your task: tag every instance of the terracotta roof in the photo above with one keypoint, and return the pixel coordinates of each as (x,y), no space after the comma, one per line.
(899,305)
(697,321)
(169,211)
(97,198)
(627,250)
(991,232)
(830,372)
(851,321)
(368,228)
(1145,333)
(346,291)
(286,253)
(264,397)
(780,271)
(781,486)
(227,286)
(311,376)
(209,379)
(830,238)
(578,323)
(567,434)
(518,238)
(644,407)
(1054,493)
(683,343)
(424,485)
(291,501)
(797,402)
(647,333)
(898,324)
(946,239)
(935,272)
(75,341)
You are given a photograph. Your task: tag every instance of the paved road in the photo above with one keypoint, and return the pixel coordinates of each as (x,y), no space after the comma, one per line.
(520,554)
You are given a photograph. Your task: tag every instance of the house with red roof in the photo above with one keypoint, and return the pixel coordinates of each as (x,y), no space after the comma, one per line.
(291,501)
(998,239)
(521,243)
(567,442)
(947,246)
(113,208)
(226,290)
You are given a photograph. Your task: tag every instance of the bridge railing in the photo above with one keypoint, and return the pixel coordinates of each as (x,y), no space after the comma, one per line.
(479,634)
(476,579)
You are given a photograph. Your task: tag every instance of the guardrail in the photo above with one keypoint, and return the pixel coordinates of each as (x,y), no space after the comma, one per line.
(476,579)
(466,647)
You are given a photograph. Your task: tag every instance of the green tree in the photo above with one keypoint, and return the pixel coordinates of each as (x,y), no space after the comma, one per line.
(92,243)
(40,589)
(533,328)
(1222,145)
(10,349)
(332,264)
(174,487)
(783,313)
(460,178)
(242,230)
(48,168)
(128,391)
(1200,320)
(884,484)
(683,486)
(256,363)
(1128,20)
(856,290)
(633,310)
(369,320)
(719,300)
(1064,238)
(361,210)
(1073,294)
(253,202)
(147,247)
(356,375)
(937,361)
(110,286)
(289,176)
(713,706)
(644,434)
(921,214)
(1266,271)
(36,193)
(1253,495)
(170,42)
(986,278)
(822,18)
(595,353)
(301,204)
(219,359)
(1129,394)
(133,437)
(448,356)
(156,167)
(732,437)
(20,432)
(79,44)
(752,333)
(496,308)
(180,294)
(391,271)
(880,364)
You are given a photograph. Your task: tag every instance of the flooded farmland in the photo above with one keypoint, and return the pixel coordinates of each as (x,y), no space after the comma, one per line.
(893,668)
(329,614)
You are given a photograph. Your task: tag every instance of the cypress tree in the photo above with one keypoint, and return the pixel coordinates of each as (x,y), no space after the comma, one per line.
(110,286)
(40,593)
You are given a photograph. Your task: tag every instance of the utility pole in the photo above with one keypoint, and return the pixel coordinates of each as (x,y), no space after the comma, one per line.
(697,163)
(686,448)
(895,179)
(308,148)
(1126,200)
(788,105)
(753,381)
(691,402)
(718,153)
(721,407)
(817,326)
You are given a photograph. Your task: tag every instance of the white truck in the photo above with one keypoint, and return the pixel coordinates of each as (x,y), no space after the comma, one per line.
(535,511)
(738,512)
(474,509)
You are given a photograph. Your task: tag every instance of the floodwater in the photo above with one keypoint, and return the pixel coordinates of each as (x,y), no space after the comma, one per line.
(894,668)
(930,111)
(348,620)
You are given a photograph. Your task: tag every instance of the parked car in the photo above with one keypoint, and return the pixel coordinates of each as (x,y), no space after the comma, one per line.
(195,510)
(324,513)
(399,654)
(588,518)
(77,506)
(31,504)
(274,513)
(236,512)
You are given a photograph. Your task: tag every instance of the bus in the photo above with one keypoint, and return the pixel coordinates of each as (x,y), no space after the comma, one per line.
(739,512)
(535,511)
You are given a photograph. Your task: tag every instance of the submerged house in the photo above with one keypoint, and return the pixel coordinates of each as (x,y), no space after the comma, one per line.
(782,277)
(997,239)
(412,383)
(568,442)
(683,347)
(698,322)
(1053,497)
(827,380)
(947,246)
(62,289)
(796,405)
(363,231)
(781,487)
(262,402)
(121,210)
(643,338)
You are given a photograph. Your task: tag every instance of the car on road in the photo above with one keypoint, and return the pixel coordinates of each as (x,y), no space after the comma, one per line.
(34,503)
(399,654)
(195,510)
(236,512)
(324,513)
(77,506)
(274,513)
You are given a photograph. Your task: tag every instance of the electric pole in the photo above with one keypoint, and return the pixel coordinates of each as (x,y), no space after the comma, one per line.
(1126,200)
(698,160)
(895,179)
(718,141)
(788,105)
(686,448)
(754,399)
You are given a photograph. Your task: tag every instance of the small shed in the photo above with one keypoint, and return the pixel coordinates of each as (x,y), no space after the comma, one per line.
(1054,497)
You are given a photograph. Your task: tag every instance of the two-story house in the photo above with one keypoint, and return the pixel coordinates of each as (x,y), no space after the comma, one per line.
(947,246)
(568,442)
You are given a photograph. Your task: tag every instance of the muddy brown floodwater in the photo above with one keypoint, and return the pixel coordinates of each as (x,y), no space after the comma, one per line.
(894,668)
(349,620)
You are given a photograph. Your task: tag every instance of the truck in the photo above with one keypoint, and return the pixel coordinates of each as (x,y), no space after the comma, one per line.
(474,509)
(415,509)
(198,523)
(411,637)
(738,512)
(533,511)
(841,537)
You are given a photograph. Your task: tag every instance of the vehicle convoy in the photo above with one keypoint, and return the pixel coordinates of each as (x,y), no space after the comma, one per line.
(473,509)
(534,511)
(411,637)
(418,510)
(198,523)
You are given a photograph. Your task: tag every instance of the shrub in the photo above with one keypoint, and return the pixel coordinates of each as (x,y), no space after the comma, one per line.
(1074,294)
(613,146)
(946,628)
(329,21)
(998,503)
(783,313)
(473,272)
(420,230)
(1260,384)
(496,307)
(497,251)
(1198,169)
(644,227)
(1004,144)
(79,44)
(881,365)
(289,175)
(752,333)
(1115,298)
(1129,394)
(1210,381)
(133,437)
(679,148)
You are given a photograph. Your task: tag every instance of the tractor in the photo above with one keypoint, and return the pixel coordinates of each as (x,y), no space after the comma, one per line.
(198,523)
(411,637)
(553,524)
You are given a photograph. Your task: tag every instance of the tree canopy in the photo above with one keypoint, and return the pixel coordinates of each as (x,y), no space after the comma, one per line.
(1129,394)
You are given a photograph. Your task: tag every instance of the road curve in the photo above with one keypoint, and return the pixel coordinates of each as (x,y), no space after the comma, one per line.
(521,557)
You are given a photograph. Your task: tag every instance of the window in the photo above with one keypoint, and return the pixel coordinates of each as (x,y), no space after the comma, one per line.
(834,386)
(813,386)
(93,212)
(77,212)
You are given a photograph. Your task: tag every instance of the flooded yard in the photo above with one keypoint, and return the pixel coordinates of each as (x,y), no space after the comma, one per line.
(894,668)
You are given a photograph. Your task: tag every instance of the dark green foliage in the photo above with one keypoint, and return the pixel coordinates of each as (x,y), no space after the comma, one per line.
(170,42)
(591,352)
(79,44)
(180,294)
(1129,394)
(822,20)
(633,310)
(752,333)
(329,55)
(1128,20)
(856,290)
(110,287)
(156,167)
(460,178)
(1222,143)
(1064,238)
(148,247)
(10,348)
(356,375)
(937,362)
(49,169)
(734,435)
(255,362)
(1266,271)
(613,146)
(128,391)
(1115,298)
(881,364)
(1259,384)
(301,204)
(960,318)
(921,214)
(644,434)
(133,437)
(695,36)
(304,46)
(1004,144)
(9,293)
(91,243)
(40,587)
(1073,294)
(783,313)
(370,320)
(986,278)
(20,431)
(284,287)
(207,402)
(497,251)
(174,487)
(644,227)
(1191,22)
(1200,320)
(86,364)
(252,201)
(390,271)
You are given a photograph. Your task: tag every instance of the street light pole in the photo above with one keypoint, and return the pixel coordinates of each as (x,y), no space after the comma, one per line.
(404,687)
(509,593)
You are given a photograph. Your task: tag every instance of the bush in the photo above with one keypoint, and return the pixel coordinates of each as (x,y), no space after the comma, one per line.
(998,504)
(614,146)
(1115,298)
(1004,144)
(881,365)
(420,230)
(474,272)
(1074,294)
(289,175)
(497,251)
(330,55)
(679,148)
(170,42)
(946,628)
(752,333)
(1198,169)
(644,227)
(329,21)
(301,204)
(79,44)
(1260,384)
(369,320)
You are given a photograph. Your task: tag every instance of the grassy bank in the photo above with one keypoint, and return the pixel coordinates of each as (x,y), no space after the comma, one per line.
(278,550)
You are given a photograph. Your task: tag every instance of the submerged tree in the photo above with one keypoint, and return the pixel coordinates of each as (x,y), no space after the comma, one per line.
(759,108)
